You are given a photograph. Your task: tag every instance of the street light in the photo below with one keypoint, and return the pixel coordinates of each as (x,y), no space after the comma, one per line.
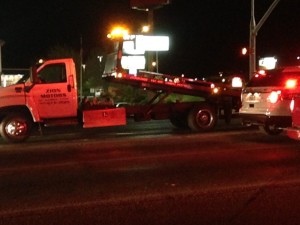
(244,51)
(146,29)
(81,67)
(118,33)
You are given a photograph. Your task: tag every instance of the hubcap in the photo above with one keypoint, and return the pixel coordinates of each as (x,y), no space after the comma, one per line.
(16,128)
(203,118)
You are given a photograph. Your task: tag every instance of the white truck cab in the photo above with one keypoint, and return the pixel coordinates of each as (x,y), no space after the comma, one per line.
(266,99)
(50,93)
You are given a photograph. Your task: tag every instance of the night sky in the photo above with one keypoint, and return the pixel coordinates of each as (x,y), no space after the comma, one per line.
(206,36)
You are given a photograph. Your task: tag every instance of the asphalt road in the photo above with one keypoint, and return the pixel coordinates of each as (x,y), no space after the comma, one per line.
(151,174)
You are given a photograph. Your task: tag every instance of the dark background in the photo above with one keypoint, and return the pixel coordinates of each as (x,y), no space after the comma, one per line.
(206,36)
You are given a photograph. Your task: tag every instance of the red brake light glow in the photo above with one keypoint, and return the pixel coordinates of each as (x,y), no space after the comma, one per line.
(292,105)
(260,73)
(291,83)
(274,96)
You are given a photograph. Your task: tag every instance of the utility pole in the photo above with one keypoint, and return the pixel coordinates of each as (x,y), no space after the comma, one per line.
(253,33)
(252,43)
(81,68)
(151,29)
(1,44)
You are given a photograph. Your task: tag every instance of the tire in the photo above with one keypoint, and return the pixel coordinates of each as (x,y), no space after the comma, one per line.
(15,128)
(202,118)
(270,129)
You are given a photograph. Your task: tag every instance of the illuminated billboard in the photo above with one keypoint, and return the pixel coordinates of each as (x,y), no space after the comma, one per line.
(138,44)
(133,62)
(152,43)
(129,47)
(267,63)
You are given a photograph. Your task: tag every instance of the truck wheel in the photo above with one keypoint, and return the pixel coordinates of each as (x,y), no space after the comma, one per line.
(15,128)
(202,118)
(270,129)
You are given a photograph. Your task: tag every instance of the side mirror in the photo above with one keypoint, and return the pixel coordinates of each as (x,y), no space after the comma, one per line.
(33,75)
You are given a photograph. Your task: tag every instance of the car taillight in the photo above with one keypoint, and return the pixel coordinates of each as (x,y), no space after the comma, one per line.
(291,83)
(292,105)
(290,89)
(274,96)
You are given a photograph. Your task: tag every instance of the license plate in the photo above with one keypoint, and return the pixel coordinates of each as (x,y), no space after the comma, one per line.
(251,98)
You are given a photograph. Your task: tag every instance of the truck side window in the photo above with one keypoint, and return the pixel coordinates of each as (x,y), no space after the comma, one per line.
(55,73)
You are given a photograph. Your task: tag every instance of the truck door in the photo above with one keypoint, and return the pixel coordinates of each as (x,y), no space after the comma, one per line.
(54,93)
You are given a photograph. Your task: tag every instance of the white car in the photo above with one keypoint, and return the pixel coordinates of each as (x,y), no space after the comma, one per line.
(294,131)
(266,99)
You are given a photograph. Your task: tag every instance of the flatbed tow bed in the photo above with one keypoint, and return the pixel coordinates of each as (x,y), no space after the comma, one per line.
(220,100)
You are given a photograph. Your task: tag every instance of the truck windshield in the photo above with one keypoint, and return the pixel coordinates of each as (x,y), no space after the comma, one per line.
(275,78)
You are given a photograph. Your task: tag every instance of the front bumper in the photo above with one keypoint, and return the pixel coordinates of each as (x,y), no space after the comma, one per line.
(259,119)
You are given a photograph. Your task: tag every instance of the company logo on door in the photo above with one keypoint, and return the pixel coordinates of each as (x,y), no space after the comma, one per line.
(54,96)
(53,93)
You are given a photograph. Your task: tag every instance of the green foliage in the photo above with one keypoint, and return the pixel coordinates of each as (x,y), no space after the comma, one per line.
(92,74)
(183,98)
(126,93)
(132,95)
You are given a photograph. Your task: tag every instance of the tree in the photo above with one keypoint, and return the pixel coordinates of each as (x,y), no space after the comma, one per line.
(92,75)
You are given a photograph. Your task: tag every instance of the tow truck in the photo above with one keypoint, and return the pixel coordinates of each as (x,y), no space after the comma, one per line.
(49,97)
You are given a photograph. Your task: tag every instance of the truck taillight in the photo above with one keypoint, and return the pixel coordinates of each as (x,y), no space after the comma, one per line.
(274,96)
(290,88)
(292,105)
(215,90)
(119,75)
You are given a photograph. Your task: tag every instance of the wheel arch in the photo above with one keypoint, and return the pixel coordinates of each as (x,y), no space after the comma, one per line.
(5,111)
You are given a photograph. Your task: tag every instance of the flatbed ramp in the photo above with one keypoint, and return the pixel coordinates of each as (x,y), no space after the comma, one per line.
(174,84)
